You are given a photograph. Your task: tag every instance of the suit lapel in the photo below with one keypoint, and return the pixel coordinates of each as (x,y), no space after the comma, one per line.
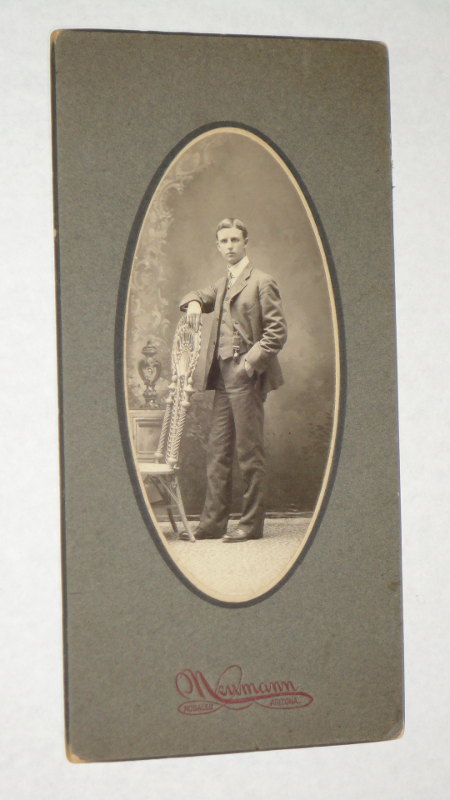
(240,282)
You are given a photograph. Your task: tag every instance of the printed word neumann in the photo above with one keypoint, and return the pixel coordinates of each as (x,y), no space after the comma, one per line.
(231,692)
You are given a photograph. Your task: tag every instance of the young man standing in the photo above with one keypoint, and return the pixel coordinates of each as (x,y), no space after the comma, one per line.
(248,331)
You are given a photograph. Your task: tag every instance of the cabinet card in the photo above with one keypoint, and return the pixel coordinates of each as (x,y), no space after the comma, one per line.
(227,366)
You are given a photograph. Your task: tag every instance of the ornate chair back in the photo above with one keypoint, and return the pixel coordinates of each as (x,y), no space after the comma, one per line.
(185,354)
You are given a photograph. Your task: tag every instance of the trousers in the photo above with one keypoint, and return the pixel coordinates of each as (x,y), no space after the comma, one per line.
(237,425)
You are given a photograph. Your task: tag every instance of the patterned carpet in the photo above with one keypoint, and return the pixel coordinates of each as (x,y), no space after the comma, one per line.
(241,571)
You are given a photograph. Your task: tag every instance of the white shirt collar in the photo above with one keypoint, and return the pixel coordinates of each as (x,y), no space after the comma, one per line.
(236,269)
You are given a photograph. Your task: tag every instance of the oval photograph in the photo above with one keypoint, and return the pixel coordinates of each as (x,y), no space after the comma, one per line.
(231,365)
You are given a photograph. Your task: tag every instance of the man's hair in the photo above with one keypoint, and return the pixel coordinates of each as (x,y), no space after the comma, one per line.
(232,222)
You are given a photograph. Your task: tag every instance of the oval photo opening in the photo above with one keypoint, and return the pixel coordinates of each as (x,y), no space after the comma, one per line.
(231,365)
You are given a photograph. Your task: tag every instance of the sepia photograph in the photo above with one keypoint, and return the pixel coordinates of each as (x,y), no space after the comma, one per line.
(228,418)
(202,332)
(231,362)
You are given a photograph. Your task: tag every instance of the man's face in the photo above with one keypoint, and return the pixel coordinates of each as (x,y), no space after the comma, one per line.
(231,244)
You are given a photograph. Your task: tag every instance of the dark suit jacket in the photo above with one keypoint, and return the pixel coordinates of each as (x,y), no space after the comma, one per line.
(257,315)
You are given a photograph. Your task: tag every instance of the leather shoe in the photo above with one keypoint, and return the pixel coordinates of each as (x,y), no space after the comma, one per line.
(199,535)
(240,536)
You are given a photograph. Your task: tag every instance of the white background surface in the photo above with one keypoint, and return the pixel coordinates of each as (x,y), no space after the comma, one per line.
(34,764)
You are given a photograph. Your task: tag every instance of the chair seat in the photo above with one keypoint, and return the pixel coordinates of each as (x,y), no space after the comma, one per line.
(155,468)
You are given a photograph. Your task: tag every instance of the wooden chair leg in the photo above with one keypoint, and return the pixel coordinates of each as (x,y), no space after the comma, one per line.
(183,516)
(169,489)
(172,519)
(167,500)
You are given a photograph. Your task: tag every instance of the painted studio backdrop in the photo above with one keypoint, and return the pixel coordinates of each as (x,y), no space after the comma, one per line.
(232,173)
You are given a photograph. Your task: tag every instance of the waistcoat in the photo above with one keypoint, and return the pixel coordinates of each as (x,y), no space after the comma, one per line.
(226,330)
